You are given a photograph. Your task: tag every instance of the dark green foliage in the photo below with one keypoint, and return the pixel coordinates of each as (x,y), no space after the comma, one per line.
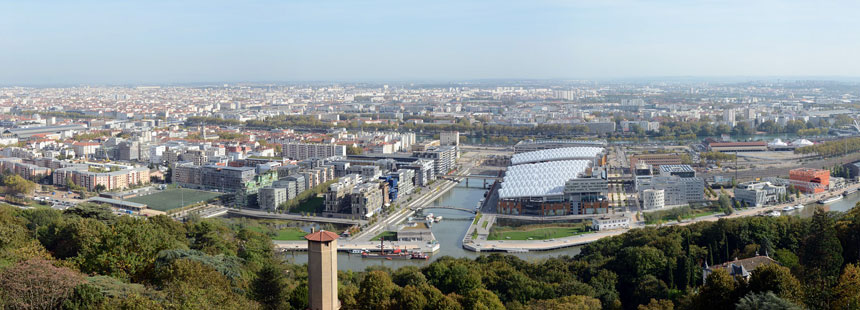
(157,263)
(269,288)
(229,266)
(85,296)
(821,253)
(765,301)
(92,211)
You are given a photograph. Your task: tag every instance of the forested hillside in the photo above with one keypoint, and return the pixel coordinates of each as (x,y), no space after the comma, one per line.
(87,258)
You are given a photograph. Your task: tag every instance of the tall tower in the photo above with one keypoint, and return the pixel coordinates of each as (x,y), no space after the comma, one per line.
(322,271)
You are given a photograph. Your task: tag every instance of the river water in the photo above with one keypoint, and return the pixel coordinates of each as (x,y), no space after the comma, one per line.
(449,232)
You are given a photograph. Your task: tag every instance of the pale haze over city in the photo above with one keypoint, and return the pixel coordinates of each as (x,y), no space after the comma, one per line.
(427,155)
(202,41)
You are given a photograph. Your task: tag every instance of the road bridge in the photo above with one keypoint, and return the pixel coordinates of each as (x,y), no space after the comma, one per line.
(447,208)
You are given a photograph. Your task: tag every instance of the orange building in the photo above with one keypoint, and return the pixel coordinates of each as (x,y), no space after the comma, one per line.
(810,175)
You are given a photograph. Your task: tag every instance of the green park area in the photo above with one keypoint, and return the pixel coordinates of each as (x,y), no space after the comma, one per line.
(537,231)
(387,235)
(174,198)
(682,213)
(284,234)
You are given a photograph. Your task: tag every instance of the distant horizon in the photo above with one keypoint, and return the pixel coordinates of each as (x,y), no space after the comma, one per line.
(633,80)
(171,42)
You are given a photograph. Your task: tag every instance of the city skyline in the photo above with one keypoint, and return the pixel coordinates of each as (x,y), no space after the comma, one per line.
(134,42)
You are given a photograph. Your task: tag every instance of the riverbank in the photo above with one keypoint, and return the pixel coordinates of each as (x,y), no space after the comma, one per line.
(518,246)
(348,247)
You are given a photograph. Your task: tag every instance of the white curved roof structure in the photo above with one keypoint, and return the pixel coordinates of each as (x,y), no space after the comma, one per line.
(777,142)
(801,142)
(567,153)
(540,179)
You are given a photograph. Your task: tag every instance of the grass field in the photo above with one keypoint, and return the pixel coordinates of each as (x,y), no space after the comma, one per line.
(388,235)
(174,198)
(286,234)
(537,233)
(290,234)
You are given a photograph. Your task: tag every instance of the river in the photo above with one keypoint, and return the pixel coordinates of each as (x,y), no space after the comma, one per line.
(453,227)
(449,232)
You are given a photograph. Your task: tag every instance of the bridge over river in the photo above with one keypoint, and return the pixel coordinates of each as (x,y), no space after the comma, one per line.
(447,208)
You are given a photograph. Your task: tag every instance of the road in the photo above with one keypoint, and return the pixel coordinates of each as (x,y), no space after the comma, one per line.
(436,190)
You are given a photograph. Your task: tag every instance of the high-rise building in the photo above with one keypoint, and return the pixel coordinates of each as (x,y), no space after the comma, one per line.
(729,117)
(449,138)
(322,271)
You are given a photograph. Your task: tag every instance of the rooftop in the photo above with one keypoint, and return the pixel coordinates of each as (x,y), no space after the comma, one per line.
(321,236)
(676,168)
(583,152)
(540,179)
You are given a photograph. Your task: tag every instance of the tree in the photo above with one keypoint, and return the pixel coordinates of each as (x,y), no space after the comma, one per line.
(84,296)
(411,298)
(661,304)
(724,201)
(482,299)
(192,285)
(574,302)
(354,150)
(269,288)
(98,212)
(127,250)
(16,185)
(375,291)
(786,258)
(718,293)
(99,188)
(821,253)
(776,279)
(648,288)
(765,301)
(847,292)
(408,275)
(37,284)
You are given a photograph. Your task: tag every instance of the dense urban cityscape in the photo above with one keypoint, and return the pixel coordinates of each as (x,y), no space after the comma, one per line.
(560,165)
(429,155)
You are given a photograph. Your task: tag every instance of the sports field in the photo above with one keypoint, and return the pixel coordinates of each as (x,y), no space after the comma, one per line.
(174,198)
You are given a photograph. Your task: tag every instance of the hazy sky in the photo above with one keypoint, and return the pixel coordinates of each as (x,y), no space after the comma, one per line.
(152,41)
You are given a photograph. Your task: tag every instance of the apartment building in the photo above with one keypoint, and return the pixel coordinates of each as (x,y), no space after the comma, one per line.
(301,151)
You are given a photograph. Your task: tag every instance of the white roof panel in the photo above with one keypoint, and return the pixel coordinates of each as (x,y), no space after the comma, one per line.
(567,153)
(540,179)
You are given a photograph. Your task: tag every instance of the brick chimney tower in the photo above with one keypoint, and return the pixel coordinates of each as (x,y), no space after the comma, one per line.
(322,271)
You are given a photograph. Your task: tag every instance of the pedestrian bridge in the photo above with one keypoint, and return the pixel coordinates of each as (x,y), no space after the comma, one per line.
(447,208)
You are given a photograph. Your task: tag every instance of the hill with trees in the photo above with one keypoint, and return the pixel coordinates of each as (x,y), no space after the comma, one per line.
(88,258)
